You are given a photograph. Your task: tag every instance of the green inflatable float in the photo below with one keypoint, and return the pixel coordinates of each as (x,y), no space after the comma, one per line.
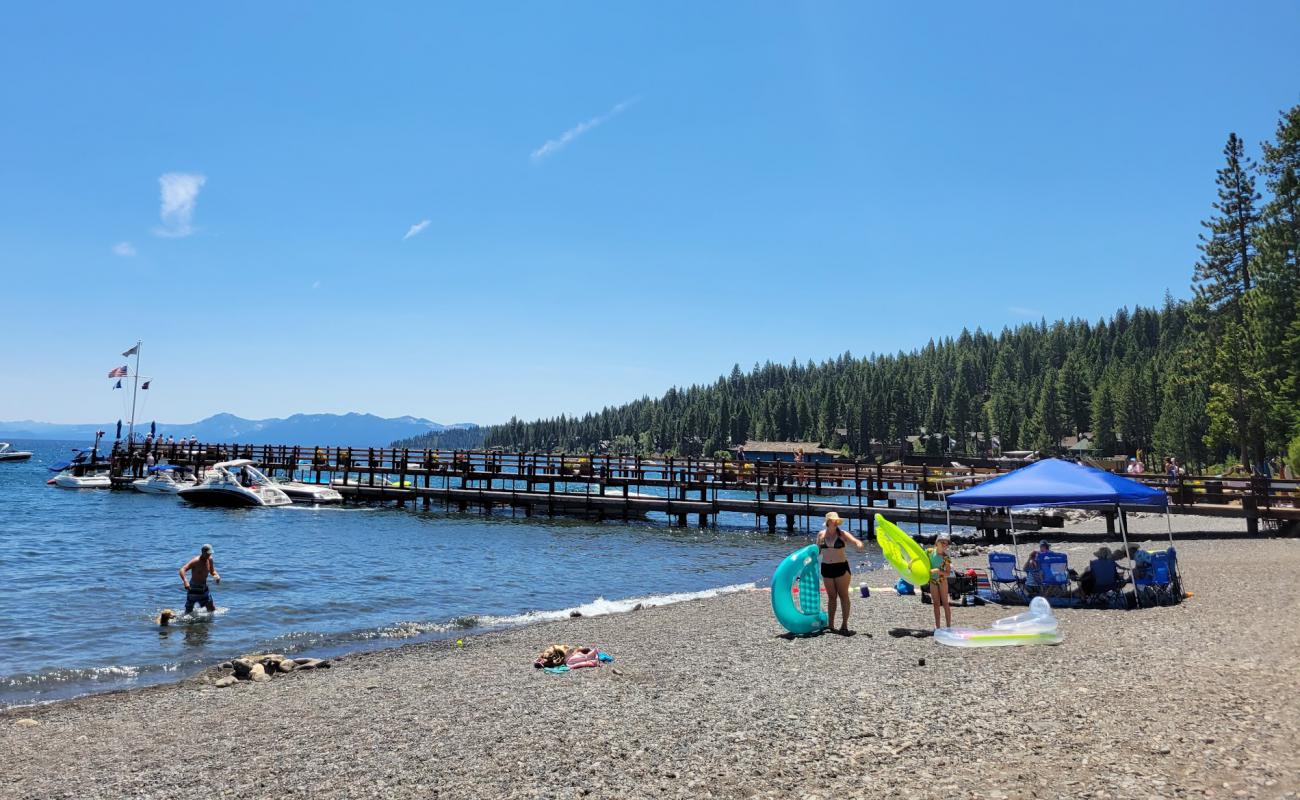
(902,552)
(804,615)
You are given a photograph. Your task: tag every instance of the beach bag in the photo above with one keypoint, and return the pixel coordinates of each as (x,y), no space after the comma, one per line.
(903,587)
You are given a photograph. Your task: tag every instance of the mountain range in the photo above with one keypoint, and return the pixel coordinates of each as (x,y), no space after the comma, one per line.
(341,430)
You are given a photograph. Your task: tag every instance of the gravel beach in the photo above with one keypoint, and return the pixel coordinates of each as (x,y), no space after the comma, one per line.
(707,699)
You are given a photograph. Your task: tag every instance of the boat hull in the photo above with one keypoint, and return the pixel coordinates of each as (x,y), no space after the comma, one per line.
(156,487)
(219,498)
(82,482)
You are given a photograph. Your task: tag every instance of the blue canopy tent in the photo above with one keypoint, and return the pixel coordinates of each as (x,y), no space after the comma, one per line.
(1054,483)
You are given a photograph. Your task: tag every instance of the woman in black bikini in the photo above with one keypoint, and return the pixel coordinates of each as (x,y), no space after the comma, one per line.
(835,568)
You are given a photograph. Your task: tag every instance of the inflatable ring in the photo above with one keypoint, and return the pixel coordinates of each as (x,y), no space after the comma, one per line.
(902,552)
(802,568)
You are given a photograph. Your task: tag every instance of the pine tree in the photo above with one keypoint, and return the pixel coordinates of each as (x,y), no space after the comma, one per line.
(1103,420)
(1222,280)
(1277,304)
(1223,275)
(1048,422)
(1183,423)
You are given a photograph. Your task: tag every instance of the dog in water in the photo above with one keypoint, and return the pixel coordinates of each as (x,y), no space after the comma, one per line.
(164,617)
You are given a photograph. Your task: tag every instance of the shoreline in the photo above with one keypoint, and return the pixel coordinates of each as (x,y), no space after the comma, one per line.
(438,633)
(707,697)
(1085,533)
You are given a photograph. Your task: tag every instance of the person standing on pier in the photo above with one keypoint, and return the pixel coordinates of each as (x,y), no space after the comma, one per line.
(835,568)
(196,586)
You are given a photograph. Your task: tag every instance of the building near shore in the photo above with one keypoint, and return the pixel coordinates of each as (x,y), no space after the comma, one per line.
(813,453)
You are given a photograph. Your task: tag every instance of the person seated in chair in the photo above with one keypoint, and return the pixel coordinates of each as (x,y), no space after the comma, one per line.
(1033,571)
(1101,562)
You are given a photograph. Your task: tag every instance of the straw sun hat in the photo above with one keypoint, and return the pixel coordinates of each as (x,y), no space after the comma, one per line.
(831,516)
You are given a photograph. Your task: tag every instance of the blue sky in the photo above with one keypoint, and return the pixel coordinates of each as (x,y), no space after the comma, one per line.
(618,197)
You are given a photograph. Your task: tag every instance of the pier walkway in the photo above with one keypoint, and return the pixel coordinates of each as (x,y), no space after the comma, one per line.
(615,486)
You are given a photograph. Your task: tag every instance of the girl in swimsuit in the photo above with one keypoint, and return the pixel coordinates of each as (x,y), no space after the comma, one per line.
(940,566)
(835,568)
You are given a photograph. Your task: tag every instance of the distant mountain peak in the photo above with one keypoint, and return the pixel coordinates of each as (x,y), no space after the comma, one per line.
(352,429)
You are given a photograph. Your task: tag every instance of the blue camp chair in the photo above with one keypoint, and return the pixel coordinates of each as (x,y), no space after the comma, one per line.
(1004,578)
(1155,581)
(1105,588)
(1056,574)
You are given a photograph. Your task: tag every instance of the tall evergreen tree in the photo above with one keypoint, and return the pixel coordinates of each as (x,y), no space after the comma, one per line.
(1223,275)
(1277,304)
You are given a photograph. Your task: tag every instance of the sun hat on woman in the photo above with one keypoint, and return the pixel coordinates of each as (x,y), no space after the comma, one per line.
(831,516)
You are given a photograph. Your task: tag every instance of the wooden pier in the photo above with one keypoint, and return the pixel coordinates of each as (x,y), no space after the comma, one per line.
(623,487)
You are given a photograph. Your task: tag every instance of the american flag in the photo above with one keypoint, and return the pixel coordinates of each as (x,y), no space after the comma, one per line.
(120,372)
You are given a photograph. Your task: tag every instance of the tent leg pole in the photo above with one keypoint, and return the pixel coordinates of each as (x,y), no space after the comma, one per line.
(1123,530)
(1169,523)
(1015,544)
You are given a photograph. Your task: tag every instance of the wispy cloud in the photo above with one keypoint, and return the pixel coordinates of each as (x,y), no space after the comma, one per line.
(415,229)
(180,191)
(557,144)
(123,249)
(1025,312)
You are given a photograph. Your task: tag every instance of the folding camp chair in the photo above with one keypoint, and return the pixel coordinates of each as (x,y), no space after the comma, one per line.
(1105,586)
(1155,581)
(1056,574)
(1004,579)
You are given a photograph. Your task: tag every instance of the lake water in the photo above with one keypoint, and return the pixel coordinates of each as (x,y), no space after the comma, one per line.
(83,573)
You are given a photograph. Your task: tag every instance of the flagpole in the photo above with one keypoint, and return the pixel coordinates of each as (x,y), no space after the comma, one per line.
(135,385)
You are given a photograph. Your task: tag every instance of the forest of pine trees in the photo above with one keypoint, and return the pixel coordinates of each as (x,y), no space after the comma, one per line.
(1210,380)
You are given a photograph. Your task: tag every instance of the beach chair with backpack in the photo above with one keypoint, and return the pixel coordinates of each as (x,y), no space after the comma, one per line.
(1155,581)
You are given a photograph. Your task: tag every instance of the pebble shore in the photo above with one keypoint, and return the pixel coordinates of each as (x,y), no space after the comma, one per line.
(708,699)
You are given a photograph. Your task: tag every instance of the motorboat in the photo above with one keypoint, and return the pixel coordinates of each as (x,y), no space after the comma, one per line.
(69,479)
(163,480)
(13,455)
(309,492)
(234,484)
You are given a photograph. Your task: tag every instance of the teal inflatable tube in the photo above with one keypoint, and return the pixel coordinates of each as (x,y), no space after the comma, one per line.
(804,615)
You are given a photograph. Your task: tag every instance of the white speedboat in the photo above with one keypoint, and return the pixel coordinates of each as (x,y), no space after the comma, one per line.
(234,484)
(162,480)
(309,492)
(67,479)
(13,455)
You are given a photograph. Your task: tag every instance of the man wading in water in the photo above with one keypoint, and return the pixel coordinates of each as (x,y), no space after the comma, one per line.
(196,588)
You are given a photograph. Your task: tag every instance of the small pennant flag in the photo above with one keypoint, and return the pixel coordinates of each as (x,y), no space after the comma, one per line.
(132,351)
(119,372)
(118,385)
(145,385)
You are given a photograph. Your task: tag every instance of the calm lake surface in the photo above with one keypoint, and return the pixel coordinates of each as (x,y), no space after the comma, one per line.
(83,573)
